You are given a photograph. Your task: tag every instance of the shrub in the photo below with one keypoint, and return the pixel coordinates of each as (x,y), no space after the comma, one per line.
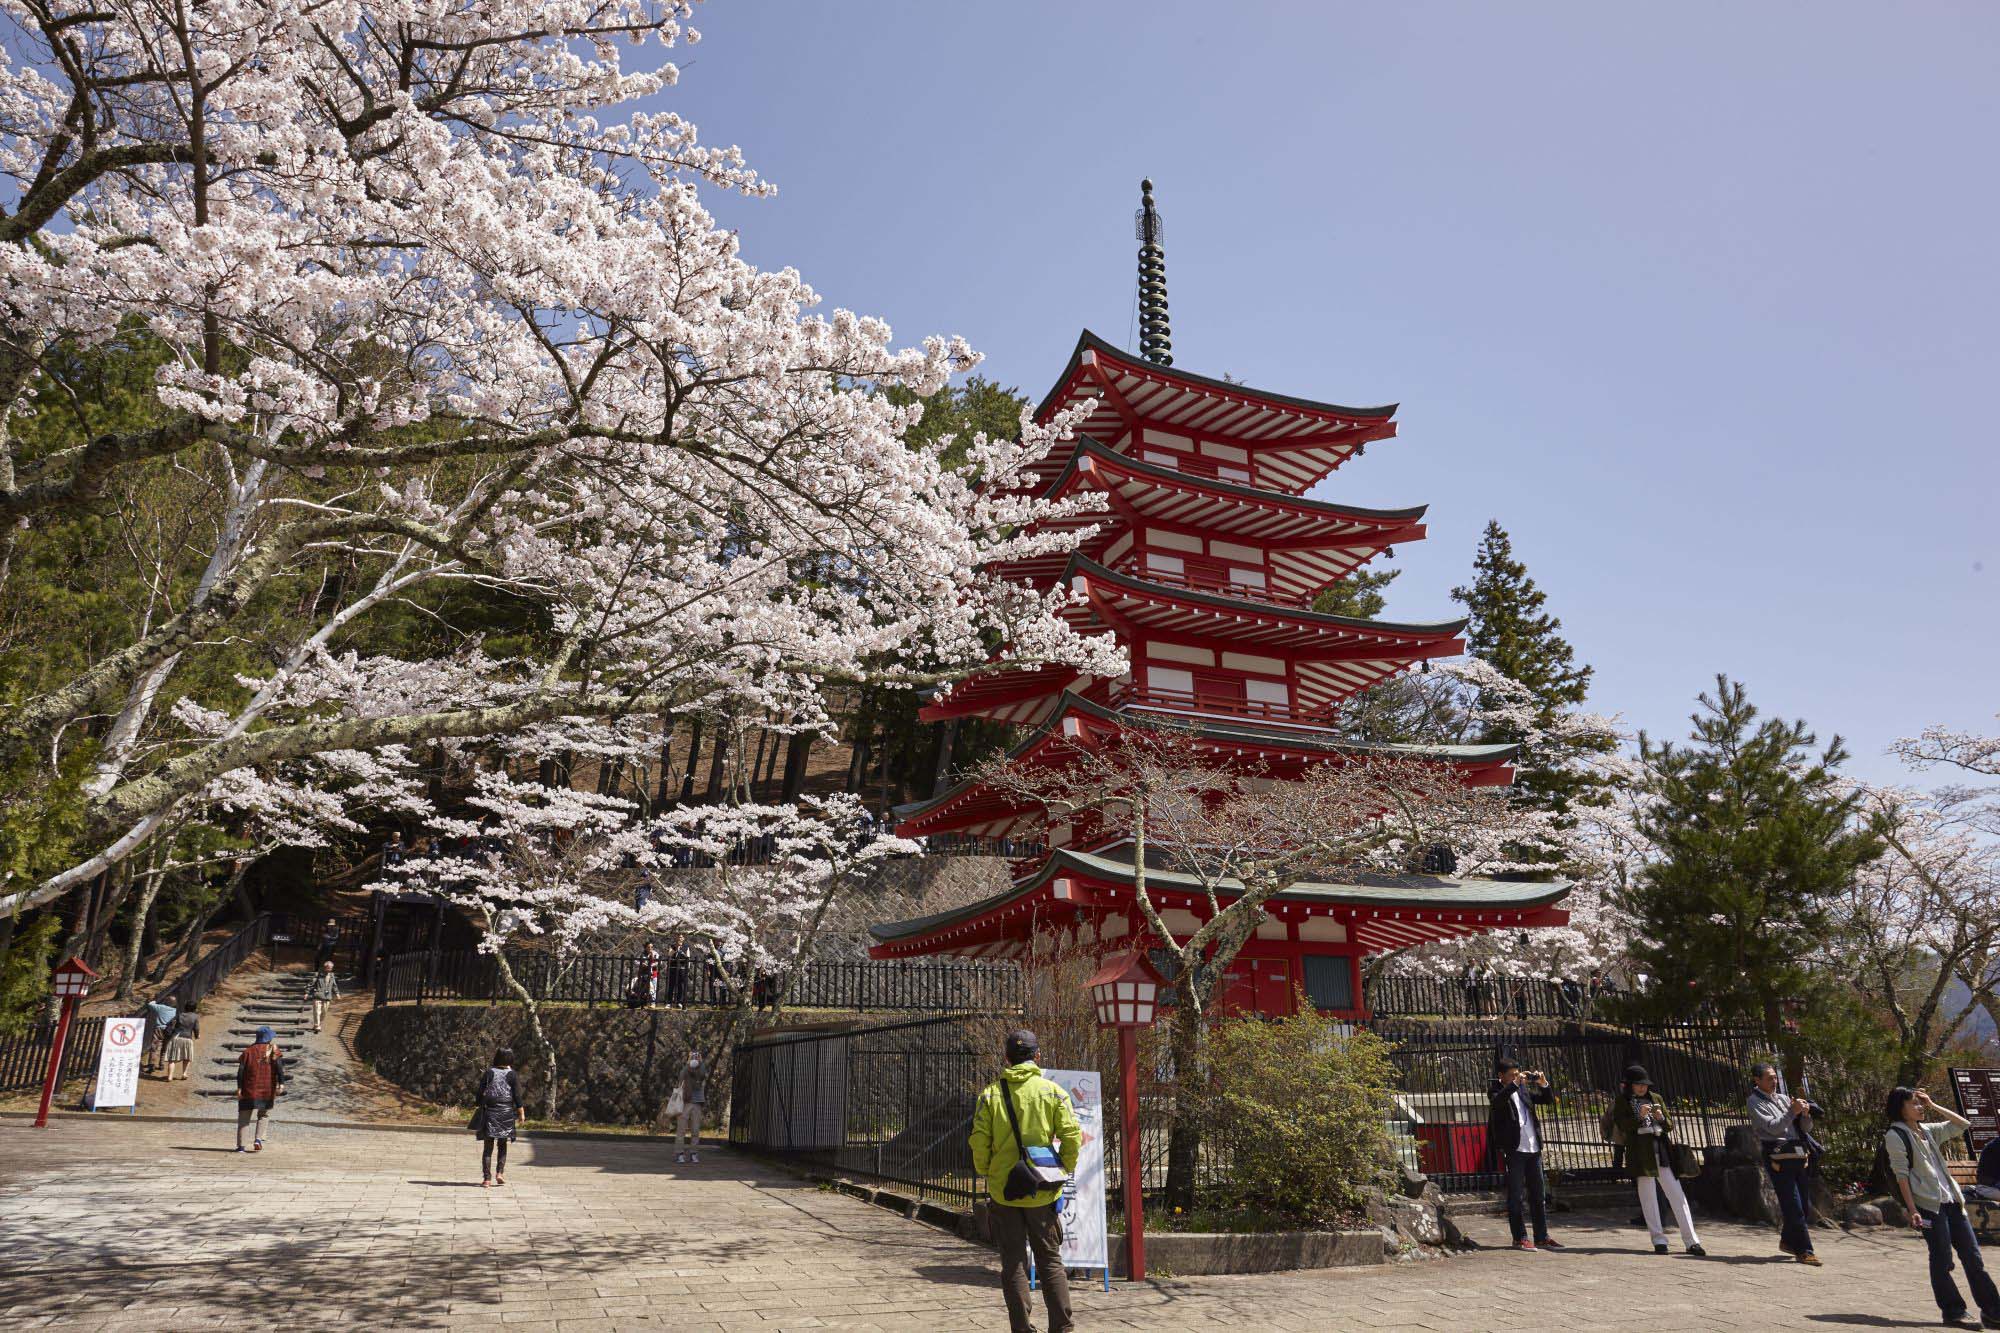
(1296,1110)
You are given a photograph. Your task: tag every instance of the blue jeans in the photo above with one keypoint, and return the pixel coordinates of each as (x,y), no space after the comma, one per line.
(1950,1230)
(1789,1180)
(1524,1185)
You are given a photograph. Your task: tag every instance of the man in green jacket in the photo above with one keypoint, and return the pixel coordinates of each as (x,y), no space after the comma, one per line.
(1047,1120)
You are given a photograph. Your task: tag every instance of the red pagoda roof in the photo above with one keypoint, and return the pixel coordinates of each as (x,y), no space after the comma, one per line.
(1309,544)
(1289,443)
(1381,912)
(972,808)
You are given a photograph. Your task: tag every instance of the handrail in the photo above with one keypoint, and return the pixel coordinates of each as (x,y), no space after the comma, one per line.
(1194,701)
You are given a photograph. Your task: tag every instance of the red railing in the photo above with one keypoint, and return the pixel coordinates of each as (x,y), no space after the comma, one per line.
(1205,575)
(1197,701)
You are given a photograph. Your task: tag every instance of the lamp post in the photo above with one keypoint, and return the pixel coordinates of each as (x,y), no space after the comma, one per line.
(1126,990)
(71,983)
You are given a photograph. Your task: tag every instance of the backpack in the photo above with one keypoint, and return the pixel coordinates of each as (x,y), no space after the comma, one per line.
(1607,1127)
(498,1089)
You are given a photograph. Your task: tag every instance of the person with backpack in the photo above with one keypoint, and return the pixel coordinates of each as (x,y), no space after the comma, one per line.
(180,1040)
(321,991)
(1640,1122)
(1937,1208)
(1021,1125)
(494,1116)
(260,1081)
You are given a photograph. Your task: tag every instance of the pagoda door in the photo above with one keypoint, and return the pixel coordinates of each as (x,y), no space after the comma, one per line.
(1273,979)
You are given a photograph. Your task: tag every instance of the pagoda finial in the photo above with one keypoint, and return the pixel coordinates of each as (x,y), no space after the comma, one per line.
(1155,335)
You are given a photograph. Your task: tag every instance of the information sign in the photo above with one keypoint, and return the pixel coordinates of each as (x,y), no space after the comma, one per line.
(118,1062)
(1978,1095)
(1085,1242)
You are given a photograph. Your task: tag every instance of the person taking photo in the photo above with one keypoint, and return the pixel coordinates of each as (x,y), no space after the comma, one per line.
(1643,1122)
(1514,1132)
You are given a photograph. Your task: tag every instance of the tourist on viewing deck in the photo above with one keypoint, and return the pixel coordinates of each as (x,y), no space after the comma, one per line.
(1514,1132)
(1937,1208)
(692,1094)
(1784,1132)
(1643,1121)
(493,1118)
(1021,1107)
(322,991)
(260,1081)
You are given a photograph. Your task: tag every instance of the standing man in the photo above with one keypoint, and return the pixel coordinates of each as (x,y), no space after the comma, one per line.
(1784,1132)
(1023,1108)
(1513,1131)
(322,991)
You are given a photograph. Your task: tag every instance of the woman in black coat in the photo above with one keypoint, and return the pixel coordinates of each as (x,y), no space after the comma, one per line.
(499,1102)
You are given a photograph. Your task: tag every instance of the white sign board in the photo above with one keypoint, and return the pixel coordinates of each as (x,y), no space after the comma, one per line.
(118,1062)
(1085,1243)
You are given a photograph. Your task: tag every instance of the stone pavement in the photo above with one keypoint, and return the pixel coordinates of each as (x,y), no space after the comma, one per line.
(137,1224)
(317,1086)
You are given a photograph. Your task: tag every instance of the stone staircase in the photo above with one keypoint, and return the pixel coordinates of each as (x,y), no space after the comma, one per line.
(275,1000)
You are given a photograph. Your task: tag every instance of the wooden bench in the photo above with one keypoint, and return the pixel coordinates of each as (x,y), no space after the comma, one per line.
(1984,1216)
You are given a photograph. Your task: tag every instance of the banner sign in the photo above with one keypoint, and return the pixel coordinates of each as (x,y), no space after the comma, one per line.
(1978,1095)
(1085,1242)
(118,1062)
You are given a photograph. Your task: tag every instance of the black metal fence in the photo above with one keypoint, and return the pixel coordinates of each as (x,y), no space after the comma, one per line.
(1486,998)
(24,1059)
(1440,1114)
(891,1103)
(852,985)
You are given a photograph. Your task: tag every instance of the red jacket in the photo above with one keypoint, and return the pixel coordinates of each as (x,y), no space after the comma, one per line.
(259,1071)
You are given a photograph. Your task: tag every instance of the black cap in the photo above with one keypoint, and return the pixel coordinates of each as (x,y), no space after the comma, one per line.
(1638,1074)
(1021,1045)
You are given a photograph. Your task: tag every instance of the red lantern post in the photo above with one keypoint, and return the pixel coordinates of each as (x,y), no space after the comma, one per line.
(71,983)
(1126,991)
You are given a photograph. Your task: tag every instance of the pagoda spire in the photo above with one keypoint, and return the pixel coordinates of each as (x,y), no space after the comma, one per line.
(1155,335)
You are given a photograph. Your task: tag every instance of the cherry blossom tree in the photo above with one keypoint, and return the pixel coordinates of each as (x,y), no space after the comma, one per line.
(441,306)
(552,869)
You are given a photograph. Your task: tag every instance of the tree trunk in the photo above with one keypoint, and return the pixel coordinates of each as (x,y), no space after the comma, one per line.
(534,1013)
(947,741)
(716,762)
(796,757)
(134,950)
(1184,1133)
(693,761)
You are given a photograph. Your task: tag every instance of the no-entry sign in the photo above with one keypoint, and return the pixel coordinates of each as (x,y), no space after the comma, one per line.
(118,1062)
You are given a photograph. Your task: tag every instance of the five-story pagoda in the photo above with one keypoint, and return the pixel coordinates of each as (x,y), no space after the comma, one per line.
(1204,563)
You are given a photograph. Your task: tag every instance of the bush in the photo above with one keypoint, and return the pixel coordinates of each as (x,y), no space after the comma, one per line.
(1850,1056)
(1296,1110)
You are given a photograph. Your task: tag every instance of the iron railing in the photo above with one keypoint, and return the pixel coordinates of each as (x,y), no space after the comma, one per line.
(891,1104)
(852,985)
(207,972)
(1487,998)
(1446,1069)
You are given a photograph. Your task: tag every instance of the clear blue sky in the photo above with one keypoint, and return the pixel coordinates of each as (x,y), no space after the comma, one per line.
(1699,302)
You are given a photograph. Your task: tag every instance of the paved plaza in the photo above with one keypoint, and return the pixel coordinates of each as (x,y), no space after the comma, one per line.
(156,1225)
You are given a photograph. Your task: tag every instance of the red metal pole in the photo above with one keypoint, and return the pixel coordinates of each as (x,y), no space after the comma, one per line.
(55,1061)
(1135,1192)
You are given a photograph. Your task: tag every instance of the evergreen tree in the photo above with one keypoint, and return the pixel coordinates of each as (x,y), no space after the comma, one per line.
(1358,595)
(1754,835)
(1512,631)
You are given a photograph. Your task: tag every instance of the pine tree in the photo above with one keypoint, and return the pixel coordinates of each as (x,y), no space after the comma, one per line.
(1358,595)
(1754,833)
(1511,631)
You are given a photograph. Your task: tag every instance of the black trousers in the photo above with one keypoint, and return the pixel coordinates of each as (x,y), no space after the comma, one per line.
(491,1149)
(1524,1189)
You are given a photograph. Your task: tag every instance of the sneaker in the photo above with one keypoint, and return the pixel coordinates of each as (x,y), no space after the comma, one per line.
(1524,1245)
(1661,1248)
(258,1146)
(694,1158)
(1990,1322)
(1963,1319)
(680,1159)
(1811,1261)
(1697,1252)
(1546,1244)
